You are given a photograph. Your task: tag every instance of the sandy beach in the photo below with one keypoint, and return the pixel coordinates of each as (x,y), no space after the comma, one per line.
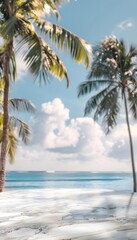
(68,214)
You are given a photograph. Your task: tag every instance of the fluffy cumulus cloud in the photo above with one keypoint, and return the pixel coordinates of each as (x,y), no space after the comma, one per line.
(61,143)
(125,24)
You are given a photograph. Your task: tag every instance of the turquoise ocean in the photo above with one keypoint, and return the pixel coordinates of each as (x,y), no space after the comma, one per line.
(93,180)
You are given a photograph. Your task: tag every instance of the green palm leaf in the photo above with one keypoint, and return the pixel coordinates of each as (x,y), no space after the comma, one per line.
(13,67)
(33,6)
(109,109)
(79,49)
(12,141)
(22,128)
(14,26)
(42,60)
(90,85)
(55,65)
(95,100)
(12,145)
(19,104)
(12,61)
(8,29)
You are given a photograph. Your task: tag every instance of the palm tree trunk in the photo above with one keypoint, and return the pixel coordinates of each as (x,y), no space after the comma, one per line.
(131,146)
(5,117)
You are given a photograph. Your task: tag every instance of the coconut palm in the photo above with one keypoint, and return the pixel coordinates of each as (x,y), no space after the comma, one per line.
(22,30)
(113,81)
(17,129)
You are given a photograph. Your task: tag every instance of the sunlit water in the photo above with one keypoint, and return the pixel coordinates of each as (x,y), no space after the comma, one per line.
(92,180)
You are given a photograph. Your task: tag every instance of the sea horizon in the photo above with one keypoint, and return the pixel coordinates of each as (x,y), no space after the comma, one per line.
(52,171)
(68,179)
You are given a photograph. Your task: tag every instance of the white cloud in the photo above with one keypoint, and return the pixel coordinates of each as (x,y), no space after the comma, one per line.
(125,24)
(61,143)
(119,139)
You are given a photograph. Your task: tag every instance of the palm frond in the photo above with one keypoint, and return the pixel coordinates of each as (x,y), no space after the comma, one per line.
(132,51)
(30,46)
(90,85)
(12,141)
(42,60)
(111,58)
(15,25)
(27,6)
(79,49)
(2,84)
(4,51)
(101,70)
(55,65)
(1,123)
(23,129)
(12,145)
(8,29)
(132,99)
(19,104)
(36,6)
(12,67)
(112,109)
(52,6)
(95,100)
(12,61)
(108,108)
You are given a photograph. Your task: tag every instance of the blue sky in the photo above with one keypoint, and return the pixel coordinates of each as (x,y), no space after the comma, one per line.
(92,20)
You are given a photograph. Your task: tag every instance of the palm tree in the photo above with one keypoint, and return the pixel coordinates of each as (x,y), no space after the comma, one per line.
(112,80)
(17,129)
(22,30)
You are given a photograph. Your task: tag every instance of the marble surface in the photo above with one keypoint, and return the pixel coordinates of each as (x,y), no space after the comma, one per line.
(67,214)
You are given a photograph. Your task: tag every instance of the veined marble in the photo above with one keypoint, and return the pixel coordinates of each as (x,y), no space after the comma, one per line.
(67,214)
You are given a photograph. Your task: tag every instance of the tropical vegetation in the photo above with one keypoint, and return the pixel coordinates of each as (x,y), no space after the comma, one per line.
(17,129)
(112,82)
(23,29)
